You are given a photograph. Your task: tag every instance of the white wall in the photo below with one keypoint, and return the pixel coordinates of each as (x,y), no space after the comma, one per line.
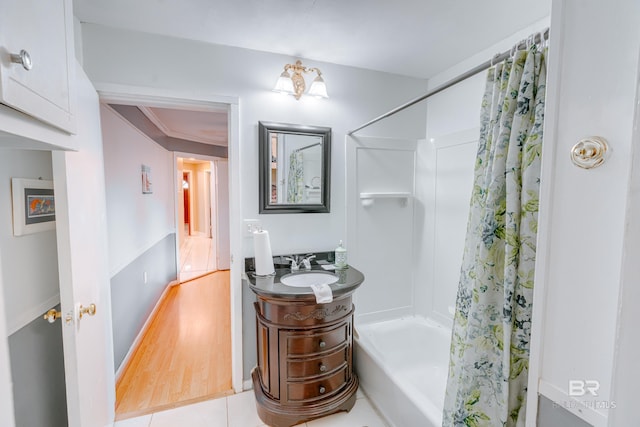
(136,221)
(444,178)
(30,262)
(583,215)
(380,231)
(356,95)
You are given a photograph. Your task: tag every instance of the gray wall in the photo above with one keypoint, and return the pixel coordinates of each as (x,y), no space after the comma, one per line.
(29,284)
(37,370)
(132,301)
(553,415)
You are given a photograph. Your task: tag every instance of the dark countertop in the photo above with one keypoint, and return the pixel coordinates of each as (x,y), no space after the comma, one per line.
(348,280)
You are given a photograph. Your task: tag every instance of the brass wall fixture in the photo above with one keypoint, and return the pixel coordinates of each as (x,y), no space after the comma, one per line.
(294,84)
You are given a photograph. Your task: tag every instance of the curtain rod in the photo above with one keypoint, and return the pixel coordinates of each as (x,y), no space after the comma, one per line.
(308,146)
(472,72)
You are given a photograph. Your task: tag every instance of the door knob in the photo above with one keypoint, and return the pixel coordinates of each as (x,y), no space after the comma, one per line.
(91,310)
(590,152)
(51,316)
(23,58)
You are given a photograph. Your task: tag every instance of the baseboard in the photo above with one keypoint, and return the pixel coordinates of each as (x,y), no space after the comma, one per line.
(136,342)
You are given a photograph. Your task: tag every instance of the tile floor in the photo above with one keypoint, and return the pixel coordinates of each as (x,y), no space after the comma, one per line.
(197,257)
(239,411)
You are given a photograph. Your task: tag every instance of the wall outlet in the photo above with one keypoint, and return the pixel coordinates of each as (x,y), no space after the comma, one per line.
(251,225)
(144,277)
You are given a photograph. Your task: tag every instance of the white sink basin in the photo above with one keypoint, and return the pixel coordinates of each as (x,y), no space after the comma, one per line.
(306,279)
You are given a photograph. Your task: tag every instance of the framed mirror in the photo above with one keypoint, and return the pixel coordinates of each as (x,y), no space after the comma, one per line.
(295,170)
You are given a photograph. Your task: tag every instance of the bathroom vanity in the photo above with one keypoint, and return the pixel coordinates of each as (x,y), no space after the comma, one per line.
(305,349)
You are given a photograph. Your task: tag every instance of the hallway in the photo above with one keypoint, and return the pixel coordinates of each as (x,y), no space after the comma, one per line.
(197,257)
(185,355)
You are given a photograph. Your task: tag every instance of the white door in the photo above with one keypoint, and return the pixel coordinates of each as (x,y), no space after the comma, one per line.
(222,215)
(81,227)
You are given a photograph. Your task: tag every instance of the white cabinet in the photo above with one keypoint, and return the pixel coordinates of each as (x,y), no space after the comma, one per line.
(43,31)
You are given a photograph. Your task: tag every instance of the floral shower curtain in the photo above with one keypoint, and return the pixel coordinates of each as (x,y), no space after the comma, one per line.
(488,368)
(295,179)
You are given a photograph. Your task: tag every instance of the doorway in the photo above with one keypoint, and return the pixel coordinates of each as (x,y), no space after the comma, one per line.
(196,224)
(186,184)
(202,228)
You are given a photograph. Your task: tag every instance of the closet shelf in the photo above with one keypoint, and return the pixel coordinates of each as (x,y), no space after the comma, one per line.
(367,199)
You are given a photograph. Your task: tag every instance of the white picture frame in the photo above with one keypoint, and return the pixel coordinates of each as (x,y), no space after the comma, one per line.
(33,206)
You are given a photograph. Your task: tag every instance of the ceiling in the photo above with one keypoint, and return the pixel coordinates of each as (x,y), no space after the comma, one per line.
(205,127)
(417,38)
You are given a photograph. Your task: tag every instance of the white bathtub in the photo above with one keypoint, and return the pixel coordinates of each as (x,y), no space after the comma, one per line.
(402,367)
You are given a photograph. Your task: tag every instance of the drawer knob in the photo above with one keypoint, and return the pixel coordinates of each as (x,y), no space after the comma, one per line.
(323,368)
(322,344)
(23,58)
(322,390)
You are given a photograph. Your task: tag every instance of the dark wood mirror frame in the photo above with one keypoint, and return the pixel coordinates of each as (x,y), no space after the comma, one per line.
(264,130)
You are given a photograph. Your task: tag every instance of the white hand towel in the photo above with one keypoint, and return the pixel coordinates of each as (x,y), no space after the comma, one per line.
(323,293)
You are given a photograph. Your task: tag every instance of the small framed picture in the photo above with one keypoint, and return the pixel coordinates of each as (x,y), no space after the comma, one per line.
(34,206)
(147,187)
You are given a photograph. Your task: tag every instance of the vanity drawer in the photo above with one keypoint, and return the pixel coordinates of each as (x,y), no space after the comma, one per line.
(309,390)
(297,369)
(323,340)
(301,314)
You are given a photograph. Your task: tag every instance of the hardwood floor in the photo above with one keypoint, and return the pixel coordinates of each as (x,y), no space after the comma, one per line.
(185,355)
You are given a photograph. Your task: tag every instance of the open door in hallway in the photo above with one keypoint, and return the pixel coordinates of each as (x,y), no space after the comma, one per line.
(221,213)
(81,228)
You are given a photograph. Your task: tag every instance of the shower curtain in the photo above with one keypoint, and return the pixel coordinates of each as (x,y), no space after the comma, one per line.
(488,368)
(295,179)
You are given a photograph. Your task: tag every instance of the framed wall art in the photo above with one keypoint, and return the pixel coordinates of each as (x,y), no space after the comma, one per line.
(147,186)
(34,206)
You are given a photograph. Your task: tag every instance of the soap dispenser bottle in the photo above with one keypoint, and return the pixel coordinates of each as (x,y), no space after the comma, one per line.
(341,256)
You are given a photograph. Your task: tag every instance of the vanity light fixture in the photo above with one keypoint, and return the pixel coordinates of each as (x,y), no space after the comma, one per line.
(294,84)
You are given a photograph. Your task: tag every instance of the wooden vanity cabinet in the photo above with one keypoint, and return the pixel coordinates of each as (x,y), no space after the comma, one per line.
(305,359)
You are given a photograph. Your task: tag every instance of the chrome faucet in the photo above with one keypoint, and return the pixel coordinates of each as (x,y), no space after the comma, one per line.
(306,261)
(298,261)
(294,262)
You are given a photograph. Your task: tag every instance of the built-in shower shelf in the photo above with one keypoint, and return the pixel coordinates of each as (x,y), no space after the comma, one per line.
(367,199)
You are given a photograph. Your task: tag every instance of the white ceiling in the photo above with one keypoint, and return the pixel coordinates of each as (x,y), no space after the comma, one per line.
(418,38)
(206,127)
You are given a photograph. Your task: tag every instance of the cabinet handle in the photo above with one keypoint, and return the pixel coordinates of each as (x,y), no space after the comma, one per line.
(22,58)
(323,368)
(322,344)
(322,390)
